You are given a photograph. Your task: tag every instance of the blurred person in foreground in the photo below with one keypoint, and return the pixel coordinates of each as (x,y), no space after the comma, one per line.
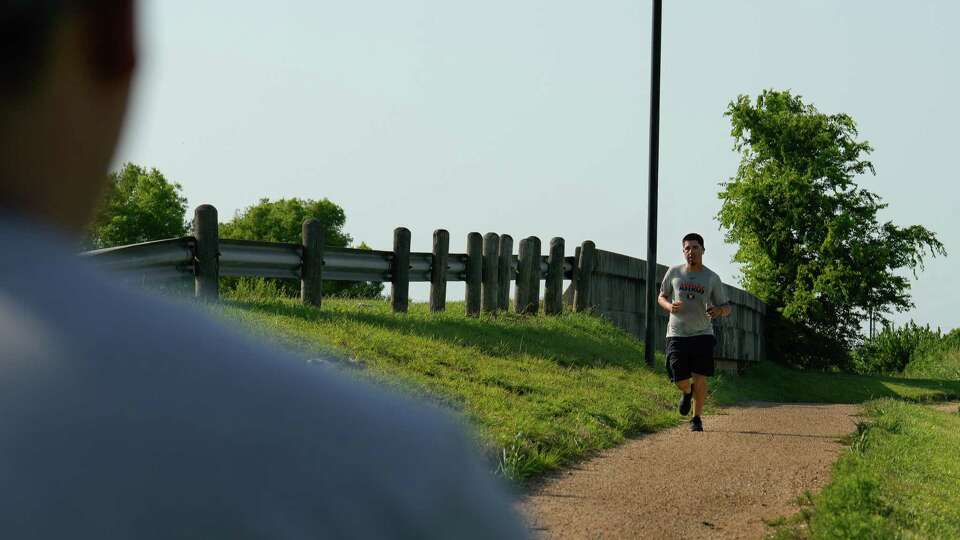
(122,416)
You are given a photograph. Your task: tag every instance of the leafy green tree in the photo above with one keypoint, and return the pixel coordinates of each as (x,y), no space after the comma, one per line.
(139,206)
(808,236)
(282,221)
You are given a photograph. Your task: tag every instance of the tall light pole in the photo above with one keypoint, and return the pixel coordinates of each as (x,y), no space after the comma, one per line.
(652,285)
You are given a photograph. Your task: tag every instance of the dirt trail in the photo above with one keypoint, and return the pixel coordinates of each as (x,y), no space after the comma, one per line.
(750,464)
(948,407)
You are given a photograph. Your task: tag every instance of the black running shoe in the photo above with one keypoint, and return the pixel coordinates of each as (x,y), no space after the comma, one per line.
(696,424)
(685,400)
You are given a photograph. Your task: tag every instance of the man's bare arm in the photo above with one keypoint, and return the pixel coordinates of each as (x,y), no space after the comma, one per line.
(665,303)
(719,311)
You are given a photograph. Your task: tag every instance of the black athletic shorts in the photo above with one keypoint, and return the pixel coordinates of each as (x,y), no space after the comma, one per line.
(688,355)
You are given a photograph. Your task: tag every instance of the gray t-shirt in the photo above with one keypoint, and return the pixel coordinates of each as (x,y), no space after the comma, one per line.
(126,416)
(696,290)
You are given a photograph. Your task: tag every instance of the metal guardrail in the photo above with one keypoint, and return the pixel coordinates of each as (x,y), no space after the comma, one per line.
(206,257)
(159,260)
(246,258)
(351,264)
(173,258)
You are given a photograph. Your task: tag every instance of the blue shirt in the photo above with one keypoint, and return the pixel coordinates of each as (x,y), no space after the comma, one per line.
(126,416)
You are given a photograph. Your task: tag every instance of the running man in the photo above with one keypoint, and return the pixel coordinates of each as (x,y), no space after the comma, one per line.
(694,296)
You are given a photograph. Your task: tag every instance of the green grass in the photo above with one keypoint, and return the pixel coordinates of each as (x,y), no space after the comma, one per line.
(541,392)
(900,478)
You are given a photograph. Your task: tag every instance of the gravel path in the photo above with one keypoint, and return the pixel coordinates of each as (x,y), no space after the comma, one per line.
(948,407)
(750,465)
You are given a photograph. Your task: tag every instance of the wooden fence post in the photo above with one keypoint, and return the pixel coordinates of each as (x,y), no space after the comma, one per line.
(311,266)
(505,274)
(533,300)
(438,270)
(491,273)
(474,272)
(207,263)
(400,271)
(553,288)
(581,295)
(573,278)
(522,298)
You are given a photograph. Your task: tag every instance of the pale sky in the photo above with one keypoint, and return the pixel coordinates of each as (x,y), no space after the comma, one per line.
(531,117)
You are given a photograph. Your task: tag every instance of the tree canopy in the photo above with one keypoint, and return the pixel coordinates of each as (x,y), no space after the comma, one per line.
(282,221)
(139,206)
(809,238)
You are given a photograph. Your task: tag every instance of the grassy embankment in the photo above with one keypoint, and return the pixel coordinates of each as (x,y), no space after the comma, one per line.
(900,478)
(542,392)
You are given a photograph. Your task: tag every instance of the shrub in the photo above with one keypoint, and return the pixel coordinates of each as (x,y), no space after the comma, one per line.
(936,359)
(891,350)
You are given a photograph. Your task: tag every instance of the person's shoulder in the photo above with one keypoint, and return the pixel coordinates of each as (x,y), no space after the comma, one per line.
(95,328)
(675,269)
(401,453)
(197,386)
(713,275)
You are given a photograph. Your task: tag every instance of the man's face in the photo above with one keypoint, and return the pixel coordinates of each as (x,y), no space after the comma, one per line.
(693,252)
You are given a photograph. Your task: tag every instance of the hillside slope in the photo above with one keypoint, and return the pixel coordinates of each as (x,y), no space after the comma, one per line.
(541,392)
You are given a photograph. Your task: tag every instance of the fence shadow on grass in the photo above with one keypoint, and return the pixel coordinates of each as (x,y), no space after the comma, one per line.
(568,341)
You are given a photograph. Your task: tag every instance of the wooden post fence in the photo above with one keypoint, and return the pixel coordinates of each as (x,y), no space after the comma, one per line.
(438,270)
(533,298)
(488,266)
(474,272)
(311,270)
(491,273)
(522,287)
(581,294)
(400,270)
(206,264)
(573,277)
(505,274)
(553,288)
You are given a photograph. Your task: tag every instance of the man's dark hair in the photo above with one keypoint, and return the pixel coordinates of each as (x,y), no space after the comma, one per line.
(691,237)
(25,27)
(26,34)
